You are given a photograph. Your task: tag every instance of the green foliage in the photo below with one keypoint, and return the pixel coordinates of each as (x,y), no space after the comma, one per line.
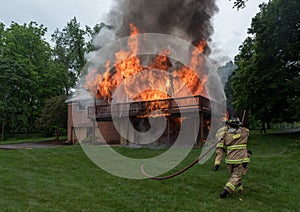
(14,91)
(2,30)
(26,46)
(267,80)
(69,49)
(239,4)
(71,44)
(33,72)
(54,115)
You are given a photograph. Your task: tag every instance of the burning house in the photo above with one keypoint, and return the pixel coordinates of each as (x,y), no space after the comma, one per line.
(132,90)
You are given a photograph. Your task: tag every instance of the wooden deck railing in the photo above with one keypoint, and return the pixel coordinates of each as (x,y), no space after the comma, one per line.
(167,106)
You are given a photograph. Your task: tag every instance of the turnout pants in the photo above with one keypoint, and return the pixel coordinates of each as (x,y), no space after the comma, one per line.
(234,182)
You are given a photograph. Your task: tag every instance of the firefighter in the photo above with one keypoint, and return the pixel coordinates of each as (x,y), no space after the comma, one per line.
(220,150)
(237,156)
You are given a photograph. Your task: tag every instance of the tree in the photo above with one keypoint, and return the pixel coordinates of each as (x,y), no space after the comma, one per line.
(25,44)
(54,116)
(2,30)
(277,33)
(71,45)
(69,51)
(14,90)
(267,79)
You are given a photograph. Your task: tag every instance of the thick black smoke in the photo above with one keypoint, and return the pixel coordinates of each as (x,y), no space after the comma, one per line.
(186,19)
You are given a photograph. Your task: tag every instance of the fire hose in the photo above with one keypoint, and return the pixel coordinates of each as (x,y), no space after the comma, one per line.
(182,170)
(190,165)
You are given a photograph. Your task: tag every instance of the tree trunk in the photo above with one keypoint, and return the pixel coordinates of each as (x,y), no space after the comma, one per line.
(268,125)
(13,133)
(2,130)
(57,133)
(263,127)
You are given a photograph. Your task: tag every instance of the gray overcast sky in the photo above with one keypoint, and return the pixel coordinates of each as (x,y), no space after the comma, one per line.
(230,25)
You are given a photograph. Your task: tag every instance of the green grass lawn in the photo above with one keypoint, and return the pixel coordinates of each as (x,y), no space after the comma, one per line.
(64,179)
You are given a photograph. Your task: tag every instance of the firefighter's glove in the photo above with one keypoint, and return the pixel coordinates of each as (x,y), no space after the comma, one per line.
(245,165)
(249,152)
(216,167)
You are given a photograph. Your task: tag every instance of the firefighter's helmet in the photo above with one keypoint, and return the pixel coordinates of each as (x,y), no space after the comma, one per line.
(234,122)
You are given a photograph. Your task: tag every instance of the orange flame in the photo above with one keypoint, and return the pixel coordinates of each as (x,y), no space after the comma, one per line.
(144,83)
(161,62)
(226,116)
(127,62)
(189,76)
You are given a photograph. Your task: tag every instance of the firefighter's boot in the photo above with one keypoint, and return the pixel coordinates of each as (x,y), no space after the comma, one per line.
(216,167)
(240,189)
(224,193)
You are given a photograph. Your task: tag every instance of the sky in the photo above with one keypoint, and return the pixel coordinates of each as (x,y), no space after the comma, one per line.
(230,25)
